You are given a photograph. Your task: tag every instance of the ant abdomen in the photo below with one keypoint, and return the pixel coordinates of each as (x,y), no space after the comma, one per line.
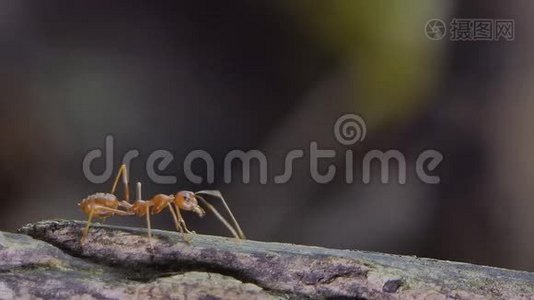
(99,200)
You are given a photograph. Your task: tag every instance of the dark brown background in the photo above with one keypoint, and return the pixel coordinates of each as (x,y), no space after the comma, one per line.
(275,75)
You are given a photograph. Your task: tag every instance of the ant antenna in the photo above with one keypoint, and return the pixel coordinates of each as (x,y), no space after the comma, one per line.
(239,234)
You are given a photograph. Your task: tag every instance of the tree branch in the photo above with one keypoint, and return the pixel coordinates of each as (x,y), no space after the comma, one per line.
(230,268)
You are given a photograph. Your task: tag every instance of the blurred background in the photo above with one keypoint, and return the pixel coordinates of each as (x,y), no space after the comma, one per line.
(273,76)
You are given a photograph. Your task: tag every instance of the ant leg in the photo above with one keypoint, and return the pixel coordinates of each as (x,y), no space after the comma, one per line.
(147,211)
(176,223)
(148,225)
(113,210)
(182,221)
(86,229)
(218,195)
(138,195)
(178,226)
(91,214)
(125,204)
(124,172)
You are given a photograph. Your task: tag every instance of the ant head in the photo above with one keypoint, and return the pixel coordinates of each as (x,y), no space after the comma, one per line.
(186,200)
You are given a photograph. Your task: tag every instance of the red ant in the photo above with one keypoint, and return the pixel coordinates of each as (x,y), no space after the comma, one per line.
(104,205)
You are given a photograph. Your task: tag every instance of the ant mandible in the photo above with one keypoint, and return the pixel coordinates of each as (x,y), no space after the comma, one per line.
(105,205)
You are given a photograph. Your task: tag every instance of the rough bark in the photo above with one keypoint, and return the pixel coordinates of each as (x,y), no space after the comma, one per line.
(117,263)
